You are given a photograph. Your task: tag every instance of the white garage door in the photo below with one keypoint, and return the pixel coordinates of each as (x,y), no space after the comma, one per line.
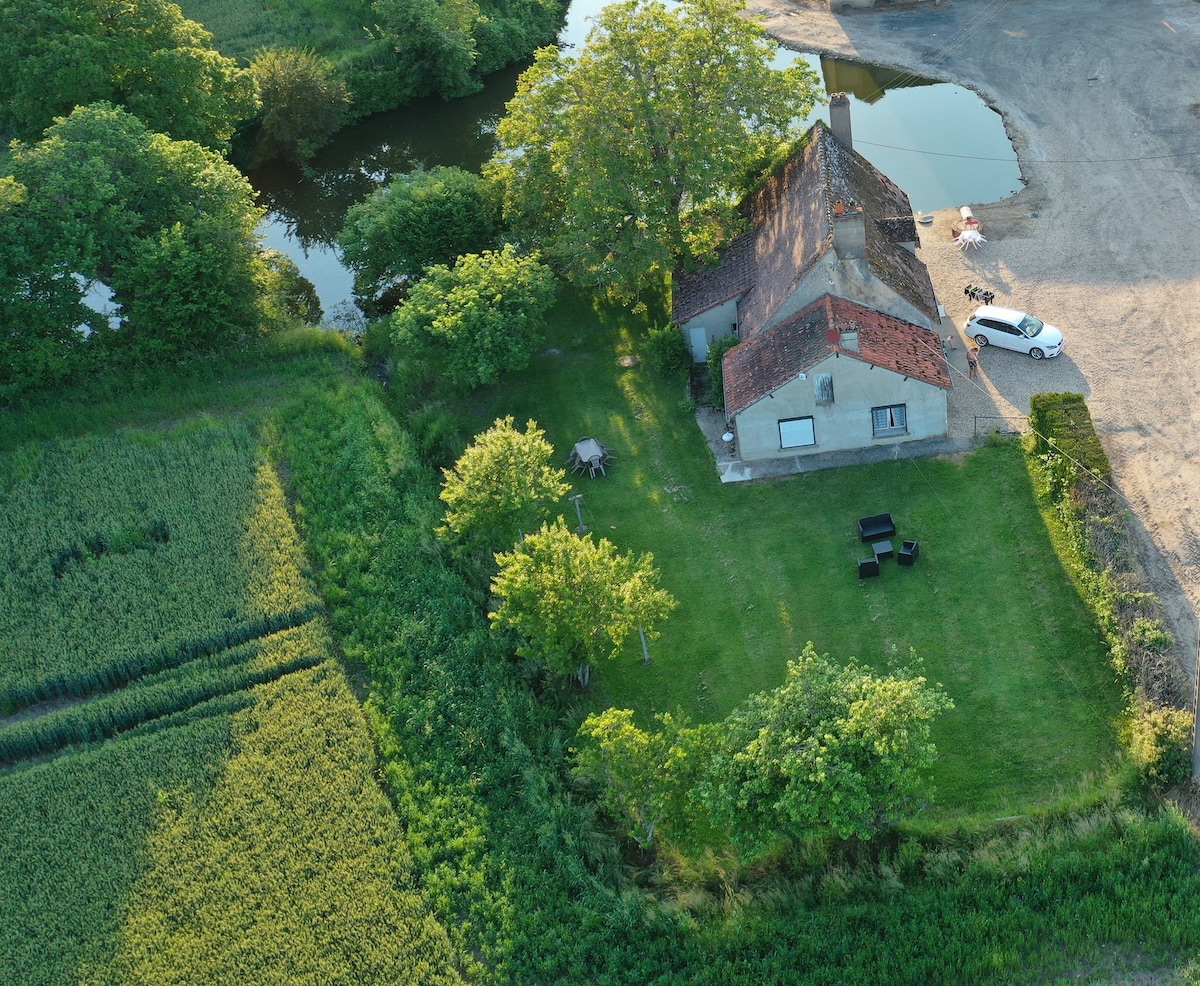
(795,432)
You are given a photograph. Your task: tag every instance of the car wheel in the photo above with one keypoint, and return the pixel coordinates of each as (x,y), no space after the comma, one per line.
(982,340)
(1036,353)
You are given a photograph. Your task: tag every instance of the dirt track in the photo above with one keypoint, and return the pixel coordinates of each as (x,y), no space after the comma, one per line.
(1102,103)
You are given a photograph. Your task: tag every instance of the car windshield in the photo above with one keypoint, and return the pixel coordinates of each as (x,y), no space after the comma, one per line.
(1030,326)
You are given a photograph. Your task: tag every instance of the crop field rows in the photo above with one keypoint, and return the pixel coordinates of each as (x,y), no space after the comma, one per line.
(132,554)
(183,767)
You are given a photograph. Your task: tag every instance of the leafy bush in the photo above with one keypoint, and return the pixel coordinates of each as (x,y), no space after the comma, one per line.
(303,102)
(484,316)
(415,221)
(667,350)
(716,367)
(1161,744)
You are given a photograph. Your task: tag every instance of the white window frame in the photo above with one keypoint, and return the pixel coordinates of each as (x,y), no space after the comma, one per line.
(889,420)
(797,430)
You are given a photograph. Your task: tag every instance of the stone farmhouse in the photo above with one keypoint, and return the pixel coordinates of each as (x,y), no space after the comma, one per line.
(833,310)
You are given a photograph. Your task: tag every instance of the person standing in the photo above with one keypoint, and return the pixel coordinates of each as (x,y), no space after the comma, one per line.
(972,361)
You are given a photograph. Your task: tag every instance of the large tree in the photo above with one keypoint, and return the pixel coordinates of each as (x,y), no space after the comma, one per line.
(140,54)
(448,46)
(415,221)
(473,321)
(575,600)
(629,159)
(642,776)
(303,102)
(501,487)
(836,749)
(168,226)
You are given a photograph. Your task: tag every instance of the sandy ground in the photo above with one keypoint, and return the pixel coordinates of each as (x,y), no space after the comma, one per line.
(1101,99)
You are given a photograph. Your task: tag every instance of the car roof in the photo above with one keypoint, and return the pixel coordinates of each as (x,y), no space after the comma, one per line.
(1013,315)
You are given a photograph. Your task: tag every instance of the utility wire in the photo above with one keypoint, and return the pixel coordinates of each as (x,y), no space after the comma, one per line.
(973,157)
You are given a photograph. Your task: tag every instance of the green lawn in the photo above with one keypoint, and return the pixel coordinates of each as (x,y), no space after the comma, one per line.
(761,568)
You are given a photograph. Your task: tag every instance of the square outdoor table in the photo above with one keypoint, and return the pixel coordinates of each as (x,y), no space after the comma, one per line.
(883,549)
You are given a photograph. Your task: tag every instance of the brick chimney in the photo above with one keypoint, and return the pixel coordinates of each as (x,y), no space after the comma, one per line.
(839,118)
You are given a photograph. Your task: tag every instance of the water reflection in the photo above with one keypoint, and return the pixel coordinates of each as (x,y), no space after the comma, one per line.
(867,83)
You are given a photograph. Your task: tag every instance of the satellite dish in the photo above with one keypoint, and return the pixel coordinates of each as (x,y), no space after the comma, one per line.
(833,336)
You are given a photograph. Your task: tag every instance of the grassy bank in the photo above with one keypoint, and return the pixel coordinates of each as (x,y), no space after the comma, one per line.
(528,880)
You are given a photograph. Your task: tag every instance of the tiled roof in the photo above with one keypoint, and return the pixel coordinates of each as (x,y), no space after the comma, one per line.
(764,363)
(791,228)
(731,278)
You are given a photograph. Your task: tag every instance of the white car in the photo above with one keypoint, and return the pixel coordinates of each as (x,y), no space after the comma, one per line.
(1009,328)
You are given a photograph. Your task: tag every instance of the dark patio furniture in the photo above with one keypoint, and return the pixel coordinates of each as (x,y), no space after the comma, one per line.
(868,567)
(876,526)
(908,552)
(882,549)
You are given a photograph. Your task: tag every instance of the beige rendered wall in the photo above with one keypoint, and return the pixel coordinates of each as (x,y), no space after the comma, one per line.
(716,322)
(846,423)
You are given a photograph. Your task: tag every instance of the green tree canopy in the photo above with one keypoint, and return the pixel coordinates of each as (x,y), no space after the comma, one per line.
(448,46)
(629,160)
(303,102)
(480,318)
(140,54)
(167,225)
(575,600)
(642,775)
(417,220)
(502,486)
(836,749)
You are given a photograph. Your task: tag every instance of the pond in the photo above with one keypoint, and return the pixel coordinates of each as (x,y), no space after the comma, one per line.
(939,142)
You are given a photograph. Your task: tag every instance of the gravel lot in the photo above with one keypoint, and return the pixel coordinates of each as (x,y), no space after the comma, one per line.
(1101,99)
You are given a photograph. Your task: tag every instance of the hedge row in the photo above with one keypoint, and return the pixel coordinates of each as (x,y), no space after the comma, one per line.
(1076,478)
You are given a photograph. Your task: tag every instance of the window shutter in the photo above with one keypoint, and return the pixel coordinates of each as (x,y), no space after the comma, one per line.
(823,388)
(796,432)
